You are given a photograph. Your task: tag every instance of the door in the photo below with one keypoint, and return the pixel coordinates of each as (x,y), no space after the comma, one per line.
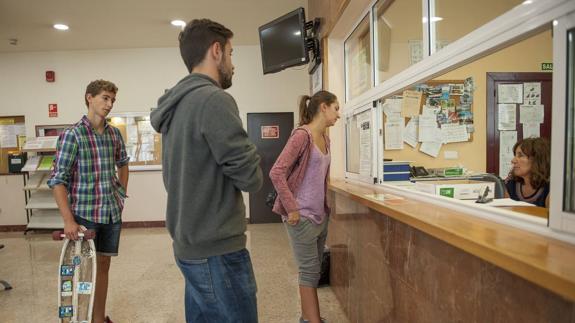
(269,132)
(519,98)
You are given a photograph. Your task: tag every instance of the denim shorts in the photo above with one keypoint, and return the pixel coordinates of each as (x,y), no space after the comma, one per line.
(107,238)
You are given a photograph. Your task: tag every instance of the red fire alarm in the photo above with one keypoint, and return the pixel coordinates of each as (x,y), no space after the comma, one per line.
(50,76)
(52,110)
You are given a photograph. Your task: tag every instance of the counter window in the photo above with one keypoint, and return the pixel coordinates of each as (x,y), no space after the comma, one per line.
(398,36)
(450,20)
(358,60)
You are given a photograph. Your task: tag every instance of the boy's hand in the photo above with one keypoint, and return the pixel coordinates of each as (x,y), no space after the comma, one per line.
(71,229)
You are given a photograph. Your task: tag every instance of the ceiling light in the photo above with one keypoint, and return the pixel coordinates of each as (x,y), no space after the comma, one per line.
(61,27)
(555,22)
(297,33)
(433,19)
(178,23)
(527,2)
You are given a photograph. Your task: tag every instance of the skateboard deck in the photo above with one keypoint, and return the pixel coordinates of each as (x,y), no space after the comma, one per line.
(76,278)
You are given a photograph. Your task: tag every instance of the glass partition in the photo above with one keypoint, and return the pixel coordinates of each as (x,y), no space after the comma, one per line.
(358,60)
(143,144)
(569,190)
(398,36)
(451,20)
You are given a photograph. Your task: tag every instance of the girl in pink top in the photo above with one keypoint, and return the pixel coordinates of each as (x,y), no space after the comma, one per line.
(299,176)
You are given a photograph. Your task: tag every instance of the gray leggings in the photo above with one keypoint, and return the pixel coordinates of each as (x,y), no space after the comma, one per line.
(307,241)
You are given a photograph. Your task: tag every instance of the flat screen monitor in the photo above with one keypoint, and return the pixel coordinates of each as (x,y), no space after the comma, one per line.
(283,43)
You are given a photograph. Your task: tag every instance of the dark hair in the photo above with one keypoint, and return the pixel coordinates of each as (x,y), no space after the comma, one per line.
(197,37)
(96,87)
(539,152)
(308,110)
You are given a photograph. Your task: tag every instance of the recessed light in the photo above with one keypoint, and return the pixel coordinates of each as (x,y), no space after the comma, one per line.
(61,27)
(433,19)
(178,23)
(527,2)
(555,22)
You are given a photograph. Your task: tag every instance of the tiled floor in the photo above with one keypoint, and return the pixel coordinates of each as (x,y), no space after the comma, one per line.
(146,285)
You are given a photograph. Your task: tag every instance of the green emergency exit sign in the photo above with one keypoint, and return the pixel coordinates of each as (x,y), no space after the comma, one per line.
(546,66)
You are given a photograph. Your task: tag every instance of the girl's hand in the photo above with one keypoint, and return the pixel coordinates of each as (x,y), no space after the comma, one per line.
(293,218)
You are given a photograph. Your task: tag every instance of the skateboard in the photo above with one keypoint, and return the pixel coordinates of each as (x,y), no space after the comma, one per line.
(76,277)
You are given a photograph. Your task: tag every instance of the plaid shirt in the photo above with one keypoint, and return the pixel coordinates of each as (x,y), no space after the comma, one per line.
(85,163)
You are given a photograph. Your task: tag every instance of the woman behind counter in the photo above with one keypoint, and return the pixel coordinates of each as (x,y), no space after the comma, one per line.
(528,180)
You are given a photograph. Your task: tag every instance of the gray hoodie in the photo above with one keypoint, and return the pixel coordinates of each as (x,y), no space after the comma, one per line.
(207,160)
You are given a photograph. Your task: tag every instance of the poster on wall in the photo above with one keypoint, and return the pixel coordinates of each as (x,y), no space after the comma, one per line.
(507,140)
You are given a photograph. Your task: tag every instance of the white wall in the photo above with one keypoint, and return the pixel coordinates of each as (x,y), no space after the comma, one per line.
(141,75)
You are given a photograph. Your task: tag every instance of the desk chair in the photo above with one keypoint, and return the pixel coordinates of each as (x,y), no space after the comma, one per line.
(499,184)
(3,282)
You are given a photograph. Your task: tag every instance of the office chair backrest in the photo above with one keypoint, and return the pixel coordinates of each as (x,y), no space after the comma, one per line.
(499,184)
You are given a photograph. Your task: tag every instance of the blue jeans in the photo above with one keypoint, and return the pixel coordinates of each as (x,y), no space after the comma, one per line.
(220,289)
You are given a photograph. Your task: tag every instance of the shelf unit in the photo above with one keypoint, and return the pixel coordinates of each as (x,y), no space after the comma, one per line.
(41,208)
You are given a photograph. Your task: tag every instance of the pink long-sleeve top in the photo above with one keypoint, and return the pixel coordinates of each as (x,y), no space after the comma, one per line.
(289,170)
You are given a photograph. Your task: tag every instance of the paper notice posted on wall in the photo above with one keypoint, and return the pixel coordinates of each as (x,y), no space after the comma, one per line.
(507,140)
(394,133)
(392,107)
(410,132)
(510,93)
(452,132)
(365,143)
(531,114)
(507,116)
(428,129)
(430,148)
(531,130)
(411,103)
(532,93)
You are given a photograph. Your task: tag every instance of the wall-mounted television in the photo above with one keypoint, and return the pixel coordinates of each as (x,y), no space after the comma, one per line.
(283,42)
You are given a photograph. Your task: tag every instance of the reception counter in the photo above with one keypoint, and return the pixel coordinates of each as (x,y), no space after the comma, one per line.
(396,259)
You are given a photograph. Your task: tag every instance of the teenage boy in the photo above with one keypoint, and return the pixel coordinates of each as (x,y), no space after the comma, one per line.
(89,182)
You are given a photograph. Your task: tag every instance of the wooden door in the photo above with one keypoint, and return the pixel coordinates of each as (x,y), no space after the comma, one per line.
(494,81)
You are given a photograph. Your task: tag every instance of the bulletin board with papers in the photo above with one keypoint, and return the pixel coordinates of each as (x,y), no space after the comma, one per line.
(429,116)
(143,144)
(12,137)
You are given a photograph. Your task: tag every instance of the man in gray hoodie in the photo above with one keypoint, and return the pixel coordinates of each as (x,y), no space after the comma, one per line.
(207,160)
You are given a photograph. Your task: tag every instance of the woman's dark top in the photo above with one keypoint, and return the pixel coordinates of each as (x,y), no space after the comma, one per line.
(514,189)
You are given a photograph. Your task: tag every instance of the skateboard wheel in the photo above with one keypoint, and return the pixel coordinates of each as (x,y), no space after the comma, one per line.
(57,235)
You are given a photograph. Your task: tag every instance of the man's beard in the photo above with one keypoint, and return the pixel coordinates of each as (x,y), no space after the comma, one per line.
(225,77)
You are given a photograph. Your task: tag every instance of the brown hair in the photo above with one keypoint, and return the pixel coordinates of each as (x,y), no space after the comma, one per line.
(197,37)
(96,87)
(309,105)
(539,152)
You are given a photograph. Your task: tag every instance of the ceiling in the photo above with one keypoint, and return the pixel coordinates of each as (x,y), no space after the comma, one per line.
(108,24)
